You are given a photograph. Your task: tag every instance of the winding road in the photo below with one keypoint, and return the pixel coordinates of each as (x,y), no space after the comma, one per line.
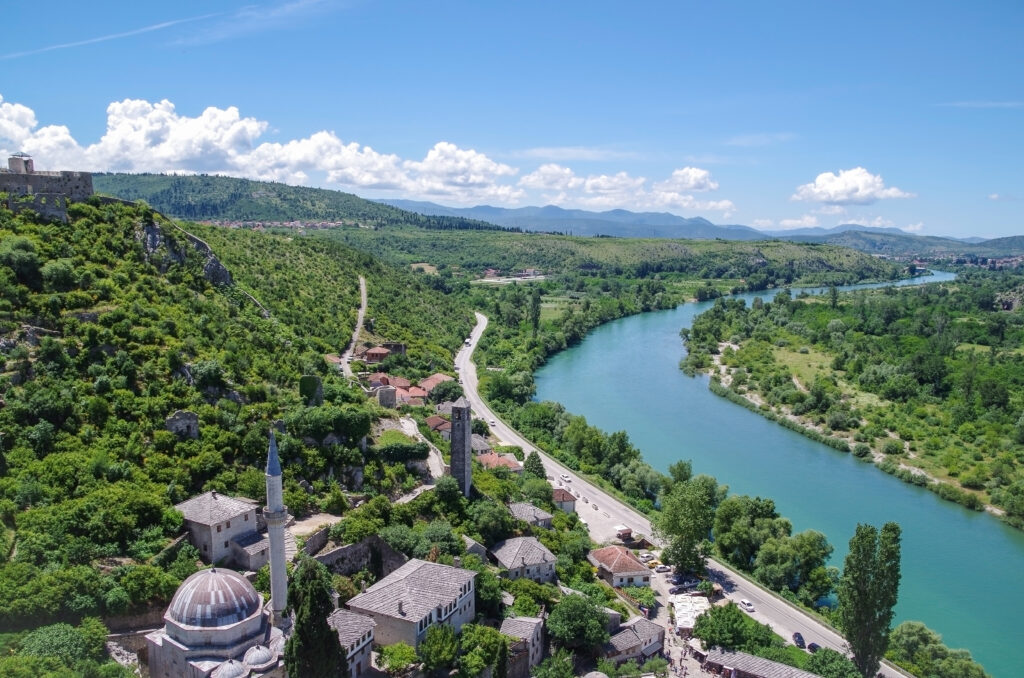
(603,512)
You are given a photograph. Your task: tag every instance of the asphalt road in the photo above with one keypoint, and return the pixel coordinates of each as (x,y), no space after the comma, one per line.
(603,513)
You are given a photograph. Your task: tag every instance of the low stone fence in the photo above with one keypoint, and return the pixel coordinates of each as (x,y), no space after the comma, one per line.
(372,553)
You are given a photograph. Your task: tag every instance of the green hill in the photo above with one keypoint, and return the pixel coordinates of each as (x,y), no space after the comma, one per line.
(216,198)
(113,322)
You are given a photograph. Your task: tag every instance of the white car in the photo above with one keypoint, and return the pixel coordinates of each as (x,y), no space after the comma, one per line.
(493,423)
(646,556)
(565,478)
(747,605)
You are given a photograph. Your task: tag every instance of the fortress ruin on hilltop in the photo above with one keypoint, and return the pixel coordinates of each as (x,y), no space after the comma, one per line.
(48,193)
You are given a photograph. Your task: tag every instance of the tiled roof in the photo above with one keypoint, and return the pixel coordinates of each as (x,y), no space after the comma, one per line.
(520,627)
(617,560)
(757,666)
(478,442)
(494,460)
(636,633)
(417,392)
(436,421)
(433,380)
(399,382)
(461,402)
(520,551)
(522,510)
(252,542)
(561,494)
(445,407)
(418,585)
(211,508)
(350,626)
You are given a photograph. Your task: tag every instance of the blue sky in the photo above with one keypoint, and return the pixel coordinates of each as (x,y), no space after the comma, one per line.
(907,114)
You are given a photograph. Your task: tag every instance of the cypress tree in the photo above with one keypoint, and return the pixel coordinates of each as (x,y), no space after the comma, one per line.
(313,650)
(868,591)
(533,465)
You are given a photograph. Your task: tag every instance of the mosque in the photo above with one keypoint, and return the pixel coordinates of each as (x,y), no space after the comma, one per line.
(217,624)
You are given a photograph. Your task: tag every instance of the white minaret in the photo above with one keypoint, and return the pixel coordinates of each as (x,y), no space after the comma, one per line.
(276,515)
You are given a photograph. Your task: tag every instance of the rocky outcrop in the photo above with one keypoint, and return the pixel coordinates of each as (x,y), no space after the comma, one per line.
(183,424)
(162,251)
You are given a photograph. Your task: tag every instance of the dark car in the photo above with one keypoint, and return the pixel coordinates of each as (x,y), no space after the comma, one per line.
(813,647)
(798,640)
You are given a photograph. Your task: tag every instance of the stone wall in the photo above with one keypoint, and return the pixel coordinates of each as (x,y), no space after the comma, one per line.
(370,553)
(47,193)
(316,541)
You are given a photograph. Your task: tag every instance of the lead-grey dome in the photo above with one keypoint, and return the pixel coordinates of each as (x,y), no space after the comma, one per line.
(213,598)
(258,655)
(230,669)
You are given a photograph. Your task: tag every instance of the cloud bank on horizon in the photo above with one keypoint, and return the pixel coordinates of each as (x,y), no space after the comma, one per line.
(142,136)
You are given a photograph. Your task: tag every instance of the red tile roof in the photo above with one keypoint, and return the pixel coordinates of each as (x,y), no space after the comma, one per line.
(433,380)
(617,560)
(561,494)
(437,422)
(494,460)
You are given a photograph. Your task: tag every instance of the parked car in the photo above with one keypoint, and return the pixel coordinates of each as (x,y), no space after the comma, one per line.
(747,605)
(595,506)
(646,556)
(653,563)
(662,568)
(565,477)
(798,640)
(493,422)
(813,647)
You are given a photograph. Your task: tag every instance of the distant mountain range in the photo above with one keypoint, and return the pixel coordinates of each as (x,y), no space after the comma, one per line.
(201,197)
(626,224)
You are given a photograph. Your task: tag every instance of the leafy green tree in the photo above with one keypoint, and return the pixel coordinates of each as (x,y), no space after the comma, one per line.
(396,658)
(481,647)
(62,641)
(558,665)
(687,515)
(920,650)
(724,626)
(533,466)
(446,391)
(868,591)
(828,663)
(313,648)
(538,492)
(439,648)
(576,623)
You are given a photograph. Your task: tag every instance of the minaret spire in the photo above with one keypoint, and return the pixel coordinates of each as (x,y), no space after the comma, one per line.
(276,515)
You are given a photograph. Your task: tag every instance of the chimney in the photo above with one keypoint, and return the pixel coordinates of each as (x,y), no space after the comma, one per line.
(401,608)
(362,586)
(334,598)
(524,561)
(458,561)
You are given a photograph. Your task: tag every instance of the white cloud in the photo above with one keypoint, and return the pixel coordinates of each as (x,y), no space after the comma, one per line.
(552,177)
(769,139)
(914,228)
(876,222)
(762,223)
(688,179)
(854,186)
(806,221)
(143,136)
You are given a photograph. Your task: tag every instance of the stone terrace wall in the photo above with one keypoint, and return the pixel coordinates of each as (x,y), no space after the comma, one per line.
(365,554)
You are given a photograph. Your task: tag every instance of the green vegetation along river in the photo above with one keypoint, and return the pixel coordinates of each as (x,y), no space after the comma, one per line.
(960,568)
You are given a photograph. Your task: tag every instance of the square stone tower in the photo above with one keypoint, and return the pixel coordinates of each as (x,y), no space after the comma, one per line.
(462,438)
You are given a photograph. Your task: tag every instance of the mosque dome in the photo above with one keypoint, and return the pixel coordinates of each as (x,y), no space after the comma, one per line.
(230,669)
(258,655)
(213,598)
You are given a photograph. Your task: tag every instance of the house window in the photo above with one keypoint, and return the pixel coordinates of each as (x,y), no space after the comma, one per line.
(218,528)
(225,544)
(204,548)
(229,524)
(246,517)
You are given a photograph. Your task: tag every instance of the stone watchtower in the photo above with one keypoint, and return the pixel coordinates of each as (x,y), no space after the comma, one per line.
(462,438)
(276,515)
(48,193)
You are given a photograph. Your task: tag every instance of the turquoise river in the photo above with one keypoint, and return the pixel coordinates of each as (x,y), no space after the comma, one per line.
(961,569)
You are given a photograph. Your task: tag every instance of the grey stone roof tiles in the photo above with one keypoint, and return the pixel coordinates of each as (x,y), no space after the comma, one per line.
(211,508)
(522,510)
(513,552)
(520,627)
(418,585)
(757,666)
(350,626)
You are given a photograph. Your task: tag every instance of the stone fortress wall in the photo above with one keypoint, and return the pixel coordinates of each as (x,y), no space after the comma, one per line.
(48,193)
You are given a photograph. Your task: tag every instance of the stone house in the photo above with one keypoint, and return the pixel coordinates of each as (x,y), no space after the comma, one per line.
(530,514)
(493,460)
(564,500)
(619,567)
(355,632)
(375,355)
(431,382)
(416,596)
(525,558)
(479,444)
(443,427)
(638,639)
(225,529)
(530,630)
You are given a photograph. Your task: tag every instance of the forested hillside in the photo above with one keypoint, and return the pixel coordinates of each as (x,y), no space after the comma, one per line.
(928,381)
(109,325)
(760,264)
(217,198)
